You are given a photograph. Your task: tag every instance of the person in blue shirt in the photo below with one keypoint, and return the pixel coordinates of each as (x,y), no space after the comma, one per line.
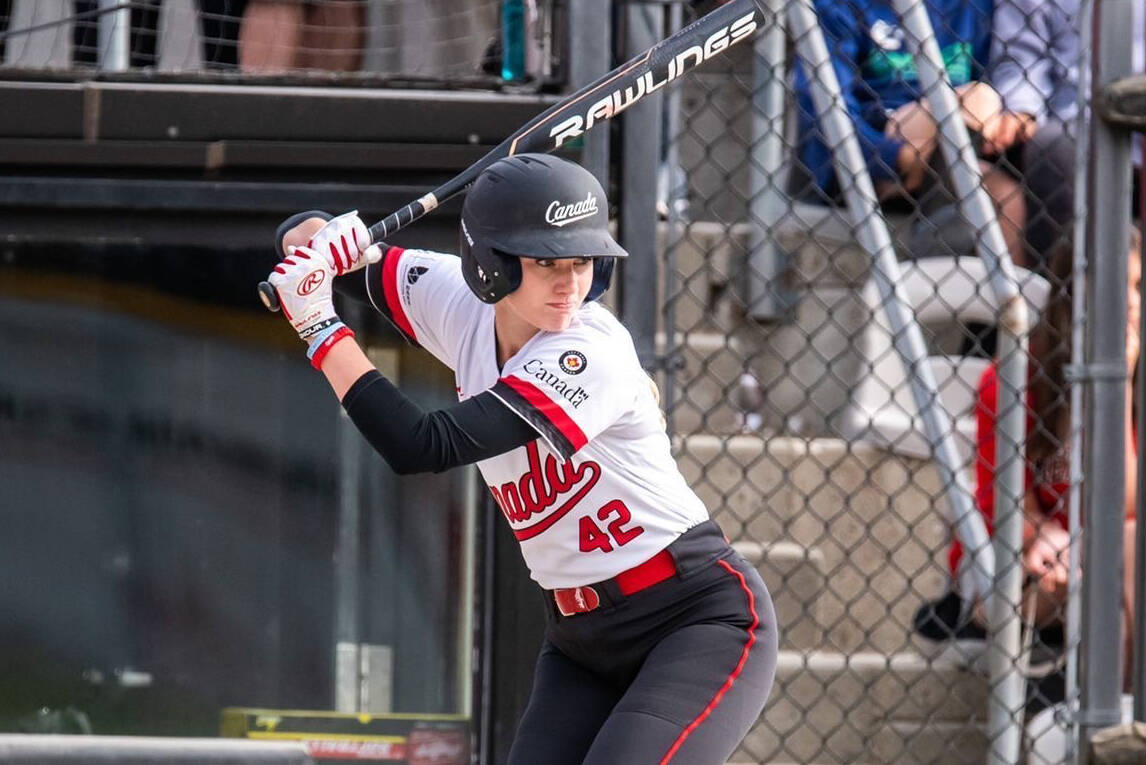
(872,59)
(1034,66)
(1035,58)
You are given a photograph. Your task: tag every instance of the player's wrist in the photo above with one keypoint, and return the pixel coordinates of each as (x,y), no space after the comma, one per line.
(323,341)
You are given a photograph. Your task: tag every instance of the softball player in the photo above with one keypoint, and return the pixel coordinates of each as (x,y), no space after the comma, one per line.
(661,641)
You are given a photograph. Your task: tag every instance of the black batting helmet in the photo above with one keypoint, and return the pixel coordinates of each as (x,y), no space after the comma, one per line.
(534,206)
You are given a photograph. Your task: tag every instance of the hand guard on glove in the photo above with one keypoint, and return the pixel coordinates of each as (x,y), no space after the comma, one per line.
(346,239)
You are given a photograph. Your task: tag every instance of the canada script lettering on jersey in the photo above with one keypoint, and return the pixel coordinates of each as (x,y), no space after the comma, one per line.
(545,493)
(574,395)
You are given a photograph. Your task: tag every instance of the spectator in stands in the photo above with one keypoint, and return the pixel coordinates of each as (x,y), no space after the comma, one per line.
(219,25)
(882,93)
(1045,533)
(280,35)
(1034,67)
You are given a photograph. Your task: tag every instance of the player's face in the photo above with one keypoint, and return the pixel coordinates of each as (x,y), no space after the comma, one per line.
(551,291)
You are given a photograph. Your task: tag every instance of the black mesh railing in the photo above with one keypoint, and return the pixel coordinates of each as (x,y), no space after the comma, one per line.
(433,42)
(797,423)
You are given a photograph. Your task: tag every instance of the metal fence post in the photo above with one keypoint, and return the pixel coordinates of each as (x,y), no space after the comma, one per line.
(590,57)
(1004,725)
(1077,399)
(641,146)
(872,233)
(768,203)
(114,37)
(1105,371)
(1122,103)
(348,558)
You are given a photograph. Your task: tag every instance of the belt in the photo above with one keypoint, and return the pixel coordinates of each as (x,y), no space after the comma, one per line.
(580,600)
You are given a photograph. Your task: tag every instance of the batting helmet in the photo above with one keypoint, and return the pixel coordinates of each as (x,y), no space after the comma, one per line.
(534,206)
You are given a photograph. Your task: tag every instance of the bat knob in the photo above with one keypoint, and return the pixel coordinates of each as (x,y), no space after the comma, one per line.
(268,295)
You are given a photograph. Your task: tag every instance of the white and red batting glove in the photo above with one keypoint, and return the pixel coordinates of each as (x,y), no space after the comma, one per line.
(347,241)
(303,281)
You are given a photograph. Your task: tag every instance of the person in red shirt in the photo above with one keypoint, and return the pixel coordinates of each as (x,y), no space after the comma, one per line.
(1046,537)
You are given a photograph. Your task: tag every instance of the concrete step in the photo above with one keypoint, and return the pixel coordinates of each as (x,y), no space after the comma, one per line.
(828,363)
(780,762)
(707,261)
(715,129)
(930,743)
(871,519)
(795,578)
(829,707)
(701,397)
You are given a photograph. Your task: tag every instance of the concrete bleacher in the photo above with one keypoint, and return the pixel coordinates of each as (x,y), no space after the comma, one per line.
(849,537)
(844,523)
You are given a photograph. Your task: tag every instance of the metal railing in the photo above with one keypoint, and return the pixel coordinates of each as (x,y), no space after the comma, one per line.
(456,44)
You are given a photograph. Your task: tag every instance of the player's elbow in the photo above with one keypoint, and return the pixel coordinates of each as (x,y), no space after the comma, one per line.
(403,465)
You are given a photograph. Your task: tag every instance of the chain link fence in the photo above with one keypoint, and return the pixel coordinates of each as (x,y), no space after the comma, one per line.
(795,415)
(792,404)
(427,42)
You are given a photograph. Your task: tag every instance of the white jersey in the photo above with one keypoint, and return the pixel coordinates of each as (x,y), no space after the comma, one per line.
(598,491)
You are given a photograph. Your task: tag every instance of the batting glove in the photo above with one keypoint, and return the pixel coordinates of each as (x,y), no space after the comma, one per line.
(347,241)
(303,281)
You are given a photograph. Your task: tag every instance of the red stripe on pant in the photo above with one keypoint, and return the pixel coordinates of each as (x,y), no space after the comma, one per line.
(684,734)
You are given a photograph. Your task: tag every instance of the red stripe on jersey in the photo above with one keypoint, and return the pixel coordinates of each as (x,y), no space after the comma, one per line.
(735,672)
(390,291)
(551,411)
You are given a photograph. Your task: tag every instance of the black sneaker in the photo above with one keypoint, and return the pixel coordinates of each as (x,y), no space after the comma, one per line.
(943,619)
(1045,691)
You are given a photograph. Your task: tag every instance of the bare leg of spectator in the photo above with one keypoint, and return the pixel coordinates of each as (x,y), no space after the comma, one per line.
(333,36)
(1010,209)
(914,124)
(270,35)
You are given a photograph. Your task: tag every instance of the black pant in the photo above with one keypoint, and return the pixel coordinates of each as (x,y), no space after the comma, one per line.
(1048,175)
(677,673)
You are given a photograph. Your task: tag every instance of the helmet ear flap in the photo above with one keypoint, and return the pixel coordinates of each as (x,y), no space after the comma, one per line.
(509,271)
(602,275)
(489,273)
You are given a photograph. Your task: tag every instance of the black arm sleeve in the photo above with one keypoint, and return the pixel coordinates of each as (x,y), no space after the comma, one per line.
(352,285)
(414,441)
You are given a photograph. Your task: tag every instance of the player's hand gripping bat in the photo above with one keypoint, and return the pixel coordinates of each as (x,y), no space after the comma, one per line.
(596,103)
